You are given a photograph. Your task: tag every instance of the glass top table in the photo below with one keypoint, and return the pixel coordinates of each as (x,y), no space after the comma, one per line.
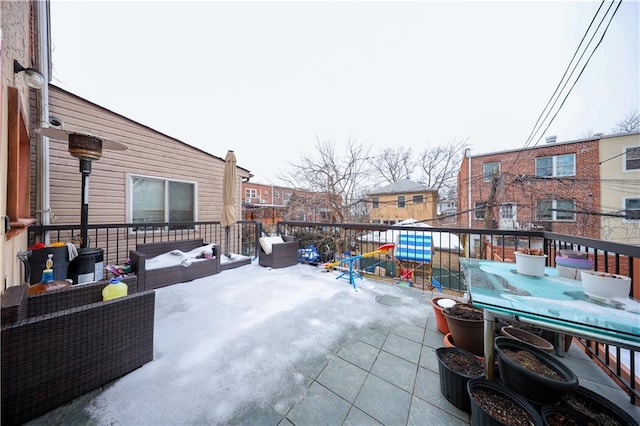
(551,302)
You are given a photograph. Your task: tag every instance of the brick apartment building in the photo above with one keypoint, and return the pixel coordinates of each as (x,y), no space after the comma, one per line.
(271,204)
(554,186)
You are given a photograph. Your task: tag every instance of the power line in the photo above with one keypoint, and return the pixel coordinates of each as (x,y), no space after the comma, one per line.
(533,130)
(539,122)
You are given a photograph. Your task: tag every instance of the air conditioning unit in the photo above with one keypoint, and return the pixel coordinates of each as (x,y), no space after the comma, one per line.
(247,200)
(263,201)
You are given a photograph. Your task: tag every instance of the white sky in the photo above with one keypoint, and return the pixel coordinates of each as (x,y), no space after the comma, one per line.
(253,336)
(266,79)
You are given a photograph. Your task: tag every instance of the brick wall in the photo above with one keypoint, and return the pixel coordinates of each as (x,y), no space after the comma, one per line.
(517,183)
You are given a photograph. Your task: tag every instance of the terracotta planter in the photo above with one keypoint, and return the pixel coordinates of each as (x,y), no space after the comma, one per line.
(530,338)
(441,321)
(454,377)
(467,333)
(534,386)
(448,341)
(481,416)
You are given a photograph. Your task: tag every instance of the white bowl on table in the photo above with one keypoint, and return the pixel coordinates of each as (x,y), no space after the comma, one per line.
(529,264)
(604,285)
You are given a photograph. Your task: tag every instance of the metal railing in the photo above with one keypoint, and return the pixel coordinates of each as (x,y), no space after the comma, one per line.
(333,241)
(117,239)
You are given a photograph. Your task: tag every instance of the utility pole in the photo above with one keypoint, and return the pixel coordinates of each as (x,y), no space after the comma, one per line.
(488,213)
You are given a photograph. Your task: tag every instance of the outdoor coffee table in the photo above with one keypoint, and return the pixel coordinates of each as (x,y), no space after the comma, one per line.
(550,302)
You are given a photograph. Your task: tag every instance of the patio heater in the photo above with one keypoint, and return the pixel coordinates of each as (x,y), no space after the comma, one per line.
(87,148)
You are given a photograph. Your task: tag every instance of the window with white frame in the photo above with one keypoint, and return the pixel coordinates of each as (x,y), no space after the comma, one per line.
(418,199)
(556,210)
(632,158)
(489,170)
(376,202)
(250,193)
(556,166)
(401,201)
(631,209)
(162,200)
(479,209)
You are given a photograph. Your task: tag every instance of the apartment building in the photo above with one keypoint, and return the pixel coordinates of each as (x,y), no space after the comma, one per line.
(271,204)
(554,186)
(402,200)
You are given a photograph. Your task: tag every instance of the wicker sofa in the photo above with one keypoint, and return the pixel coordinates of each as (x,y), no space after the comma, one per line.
(56,346)
(155,278)
(278,252)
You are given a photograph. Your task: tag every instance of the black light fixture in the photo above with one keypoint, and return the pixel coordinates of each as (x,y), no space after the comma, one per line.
(86,147)
(31,76)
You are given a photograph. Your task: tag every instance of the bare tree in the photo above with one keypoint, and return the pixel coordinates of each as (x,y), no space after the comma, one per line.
(394,164)
(340,175)
(439,165)
(629,124)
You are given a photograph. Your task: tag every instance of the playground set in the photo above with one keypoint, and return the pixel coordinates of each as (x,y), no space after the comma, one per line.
(348,272)
(412,253)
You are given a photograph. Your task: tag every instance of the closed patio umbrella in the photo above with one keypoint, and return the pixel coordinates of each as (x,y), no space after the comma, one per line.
(228,216)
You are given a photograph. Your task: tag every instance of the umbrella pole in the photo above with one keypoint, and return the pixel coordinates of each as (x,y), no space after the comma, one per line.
(226,228)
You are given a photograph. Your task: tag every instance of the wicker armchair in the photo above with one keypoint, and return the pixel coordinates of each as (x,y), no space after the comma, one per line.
(59,345)
(281,255)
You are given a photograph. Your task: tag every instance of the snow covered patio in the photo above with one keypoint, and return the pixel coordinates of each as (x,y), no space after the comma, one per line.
(260,346)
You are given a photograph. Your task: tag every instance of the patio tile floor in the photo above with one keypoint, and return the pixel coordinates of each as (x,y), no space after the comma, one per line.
(391,378)
(381,376)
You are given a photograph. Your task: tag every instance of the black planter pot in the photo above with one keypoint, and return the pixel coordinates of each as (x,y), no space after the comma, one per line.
(539,389)
(596,406)
(480,416)
(564,416)
(453,384)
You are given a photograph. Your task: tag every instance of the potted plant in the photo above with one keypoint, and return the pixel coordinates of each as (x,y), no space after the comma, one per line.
(457,367)
(557,415)
(596,407)
(525,336)
(533,373)
(438,304)
(605,286)
(466,325)
(494,404)
(530,262)
(569,263)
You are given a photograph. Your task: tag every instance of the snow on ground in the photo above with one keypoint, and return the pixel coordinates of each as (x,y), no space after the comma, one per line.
(247,337)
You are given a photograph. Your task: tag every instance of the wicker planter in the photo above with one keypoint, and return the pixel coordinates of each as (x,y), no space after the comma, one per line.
(454,378)
(441,321)
(481,416)
(468,334)
(531,385)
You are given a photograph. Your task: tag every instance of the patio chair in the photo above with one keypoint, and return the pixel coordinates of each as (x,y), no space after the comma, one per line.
(278,252)
(413,255)
(59,345)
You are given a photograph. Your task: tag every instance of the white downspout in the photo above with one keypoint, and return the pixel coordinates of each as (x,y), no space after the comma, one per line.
(468,154)
(43,204)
